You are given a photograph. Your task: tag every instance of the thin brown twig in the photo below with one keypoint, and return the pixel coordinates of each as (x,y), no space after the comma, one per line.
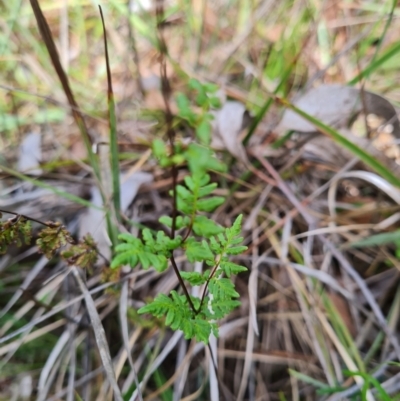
(166,94)
(19,215)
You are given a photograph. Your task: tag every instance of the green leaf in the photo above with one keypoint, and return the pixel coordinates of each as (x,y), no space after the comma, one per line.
(195,84)
(123,259)
(208,189)
(184,193)
(159,148)
(174,307)
(215,246)
(209,204)
(222,288)
(227,244)
(196,251)
(147,237)
(231,268)
(223,307)
(205,227)
(202,99)
(188,329)
(201,330)
(215,102)
(195,278)
(235,250)
(201,159)
(177,312)
(184,109)
(203,132)
(158,307)
(181,221)
(134,251)
(197,180)
(210,88)
(236,228)
(166,220)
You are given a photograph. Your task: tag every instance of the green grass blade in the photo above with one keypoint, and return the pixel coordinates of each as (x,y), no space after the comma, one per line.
(307,379)
(77,396)
(342,331)
(160,380)
(376,64)
(345,143)
(383,395)
(268,103)
(378,239)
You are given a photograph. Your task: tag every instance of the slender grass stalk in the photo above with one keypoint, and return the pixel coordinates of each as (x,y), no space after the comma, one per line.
(393,51)
(260,115)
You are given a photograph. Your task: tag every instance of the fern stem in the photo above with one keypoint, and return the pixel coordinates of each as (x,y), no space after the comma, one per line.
(182,284)
(206,285)
(189,230)
(166,94)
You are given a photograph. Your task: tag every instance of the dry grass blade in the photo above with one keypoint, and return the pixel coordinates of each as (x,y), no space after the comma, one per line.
(157,362)
(390,190)
(51,362)
(28,279)
(13,346)
(99,335)
(213,369)
(338,255)
(123,310)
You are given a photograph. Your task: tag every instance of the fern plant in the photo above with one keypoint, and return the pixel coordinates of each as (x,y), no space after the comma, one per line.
(188,230)
(191,231)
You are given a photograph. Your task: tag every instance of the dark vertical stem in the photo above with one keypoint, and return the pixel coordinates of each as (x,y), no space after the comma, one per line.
(166,94)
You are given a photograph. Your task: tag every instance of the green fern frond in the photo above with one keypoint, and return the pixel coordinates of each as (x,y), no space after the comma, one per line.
(231,268)
(195,278)
(196,251)
(222,289)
